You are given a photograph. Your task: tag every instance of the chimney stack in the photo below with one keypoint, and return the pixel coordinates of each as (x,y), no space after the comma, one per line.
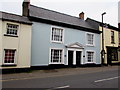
(26,4)
(81,15)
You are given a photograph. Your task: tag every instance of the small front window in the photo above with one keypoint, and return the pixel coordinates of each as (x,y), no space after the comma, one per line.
(12,29)
(9,56)
(90,56)
(57,34)
(56,56)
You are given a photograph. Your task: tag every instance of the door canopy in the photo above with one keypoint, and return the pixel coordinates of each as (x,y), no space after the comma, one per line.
(75,45)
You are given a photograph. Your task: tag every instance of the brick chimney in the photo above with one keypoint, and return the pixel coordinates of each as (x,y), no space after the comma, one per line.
(25,6)
(81,15)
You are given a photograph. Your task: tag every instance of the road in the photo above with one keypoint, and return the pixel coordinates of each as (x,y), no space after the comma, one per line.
(100,79)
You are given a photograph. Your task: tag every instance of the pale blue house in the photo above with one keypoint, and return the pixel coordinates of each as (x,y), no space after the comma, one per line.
(58,38)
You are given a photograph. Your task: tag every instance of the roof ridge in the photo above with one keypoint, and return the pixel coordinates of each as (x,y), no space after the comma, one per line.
(93,20)
(101,22)
(56,12)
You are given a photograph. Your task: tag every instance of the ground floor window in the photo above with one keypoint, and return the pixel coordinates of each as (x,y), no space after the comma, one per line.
(56,55)
(9,57)
(90,56)
(112,54)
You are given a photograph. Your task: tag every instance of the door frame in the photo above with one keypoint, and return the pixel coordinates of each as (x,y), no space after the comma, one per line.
(74,55)
(109,60)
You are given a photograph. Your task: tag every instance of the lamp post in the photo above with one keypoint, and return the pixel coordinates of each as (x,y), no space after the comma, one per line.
(103,51)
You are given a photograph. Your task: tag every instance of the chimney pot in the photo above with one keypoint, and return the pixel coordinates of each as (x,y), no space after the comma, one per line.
(81,15)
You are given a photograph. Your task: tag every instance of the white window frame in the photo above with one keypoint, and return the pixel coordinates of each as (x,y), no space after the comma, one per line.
(62,60)
(12,24)
(15,57)
(62,35)
(87,39)
(94,56)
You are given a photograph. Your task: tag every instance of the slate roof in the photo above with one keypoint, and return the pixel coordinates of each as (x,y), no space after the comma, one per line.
(95,24)
(14,18)
(42,13)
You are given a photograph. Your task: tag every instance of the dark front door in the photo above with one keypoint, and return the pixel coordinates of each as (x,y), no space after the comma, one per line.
(111,55)
(78,58)
(70,58)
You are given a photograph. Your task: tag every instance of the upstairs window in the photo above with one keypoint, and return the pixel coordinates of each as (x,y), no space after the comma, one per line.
(57,34)
(112,37)
(90,39)
(12,29)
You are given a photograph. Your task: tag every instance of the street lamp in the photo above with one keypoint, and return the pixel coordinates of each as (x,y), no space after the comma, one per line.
(103,51)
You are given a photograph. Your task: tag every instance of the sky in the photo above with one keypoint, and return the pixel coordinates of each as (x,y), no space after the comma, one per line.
(119,12)
(92,8)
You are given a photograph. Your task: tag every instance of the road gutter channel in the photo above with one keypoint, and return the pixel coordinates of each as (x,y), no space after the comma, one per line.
(106,79)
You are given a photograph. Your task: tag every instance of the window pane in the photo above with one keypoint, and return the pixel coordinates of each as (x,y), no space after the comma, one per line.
(9,56)
(56,56)
(57,34)
(12,29)
(90,39)
(112,36)
(90,56)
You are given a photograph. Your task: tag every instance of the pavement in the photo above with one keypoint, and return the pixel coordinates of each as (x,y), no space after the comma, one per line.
(55,72)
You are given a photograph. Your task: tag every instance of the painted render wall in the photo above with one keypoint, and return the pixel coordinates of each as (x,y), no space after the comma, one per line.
(0,41)
(107,39)
(41,43)
(22,44)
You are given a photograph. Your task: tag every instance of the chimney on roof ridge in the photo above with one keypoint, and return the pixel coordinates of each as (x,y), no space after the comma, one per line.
(81,15)
(25,6)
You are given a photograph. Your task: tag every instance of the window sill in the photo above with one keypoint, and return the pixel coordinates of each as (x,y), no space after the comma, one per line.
(56,63)
(57,42)
(10,35)
(90,62)
(90,45)
(8,65)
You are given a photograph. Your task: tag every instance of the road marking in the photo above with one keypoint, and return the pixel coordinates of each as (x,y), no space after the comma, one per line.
(61,87)
(106,79)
